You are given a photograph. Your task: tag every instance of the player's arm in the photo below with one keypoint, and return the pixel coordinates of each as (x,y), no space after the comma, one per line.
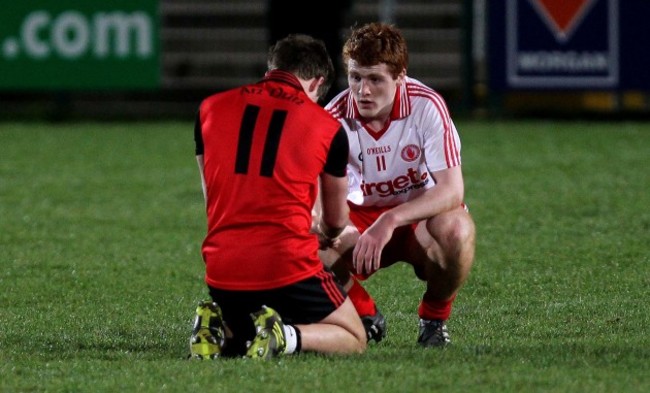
(447,195)
(198,141)
(334,188)
(335,209)
(449,190)
(199,161)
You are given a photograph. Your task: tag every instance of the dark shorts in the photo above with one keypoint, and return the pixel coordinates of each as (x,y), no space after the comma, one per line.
(307,301)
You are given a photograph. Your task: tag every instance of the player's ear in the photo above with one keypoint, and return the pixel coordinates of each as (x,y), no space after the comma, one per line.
(315,83)
(401,76)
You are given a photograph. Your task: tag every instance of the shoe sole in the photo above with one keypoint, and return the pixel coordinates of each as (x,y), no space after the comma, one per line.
(203,344)
(265,344)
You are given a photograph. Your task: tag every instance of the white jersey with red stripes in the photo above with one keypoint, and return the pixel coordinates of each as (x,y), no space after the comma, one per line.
(394,165)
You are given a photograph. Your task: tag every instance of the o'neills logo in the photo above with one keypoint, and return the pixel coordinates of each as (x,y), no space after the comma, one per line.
(410,153)
(378,150)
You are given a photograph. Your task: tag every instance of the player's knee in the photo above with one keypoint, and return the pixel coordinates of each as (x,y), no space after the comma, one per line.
(453,232)
(463,231)
(362,344)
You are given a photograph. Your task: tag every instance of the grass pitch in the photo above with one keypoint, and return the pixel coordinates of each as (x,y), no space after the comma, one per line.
(100,268)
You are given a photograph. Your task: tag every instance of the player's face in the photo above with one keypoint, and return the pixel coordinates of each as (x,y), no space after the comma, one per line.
(373,89)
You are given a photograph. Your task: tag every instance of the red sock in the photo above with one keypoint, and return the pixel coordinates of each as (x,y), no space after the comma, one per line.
(361,299)
(435,309)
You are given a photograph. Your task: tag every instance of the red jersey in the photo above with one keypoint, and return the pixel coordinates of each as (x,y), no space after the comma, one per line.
(264,146)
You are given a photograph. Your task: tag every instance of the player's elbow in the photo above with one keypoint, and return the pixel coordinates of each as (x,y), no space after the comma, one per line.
(456,192)
(457,197)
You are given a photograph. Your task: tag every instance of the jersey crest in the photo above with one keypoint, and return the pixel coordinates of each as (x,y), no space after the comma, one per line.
(410,153)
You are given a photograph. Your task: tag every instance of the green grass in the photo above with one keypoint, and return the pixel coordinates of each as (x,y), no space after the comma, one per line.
(100,268)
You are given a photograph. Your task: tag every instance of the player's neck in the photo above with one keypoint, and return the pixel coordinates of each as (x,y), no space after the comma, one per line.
(377,123)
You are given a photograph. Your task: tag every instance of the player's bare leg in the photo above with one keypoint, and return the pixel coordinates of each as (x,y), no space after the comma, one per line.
(339,257)
(339,260)
(449,242)
(340,333)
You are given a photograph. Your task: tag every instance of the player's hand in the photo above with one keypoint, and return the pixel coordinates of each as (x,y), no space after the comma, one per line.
(366,256)
(325,242)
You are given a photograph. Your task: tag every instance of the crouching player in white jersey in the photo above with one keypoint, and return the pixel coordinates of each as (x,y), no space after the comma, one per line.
(406,185)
